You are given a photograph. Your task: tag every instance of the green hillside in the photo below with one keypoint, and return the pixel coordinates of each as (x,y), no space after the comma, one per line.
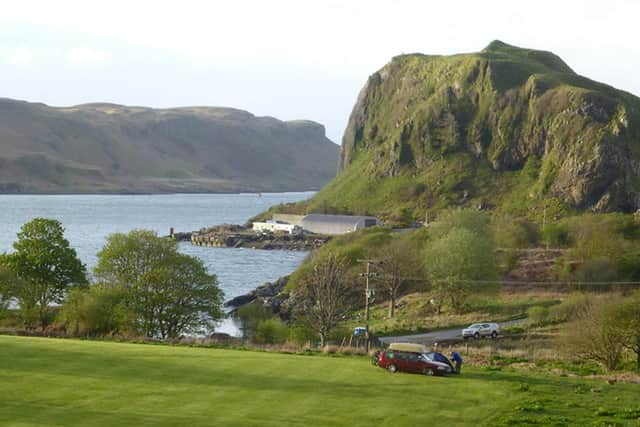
(114,148)
(53,382)
(506,128)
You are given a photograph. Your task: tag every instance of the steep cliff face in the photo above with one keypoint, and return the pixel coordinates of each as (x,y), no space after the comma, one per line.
(502,127)
(115,148)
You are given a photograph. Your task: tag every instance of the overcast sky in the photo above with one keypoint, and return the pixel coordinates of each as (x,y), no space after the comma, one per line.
(287,59)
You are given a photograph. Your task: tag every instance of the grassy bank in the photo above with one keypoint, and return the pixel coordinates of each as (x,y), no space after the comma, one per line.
(70,382)
(414,314)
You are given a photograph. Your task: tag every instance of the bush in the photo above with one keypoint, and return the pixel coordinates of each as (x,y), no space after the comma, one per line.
(271,331)
(568,309)
(629,265)
(594,335)
(596,270)
(556,235)
(301,335)
(516,233)
(538,314)
(251,315)
(97,311)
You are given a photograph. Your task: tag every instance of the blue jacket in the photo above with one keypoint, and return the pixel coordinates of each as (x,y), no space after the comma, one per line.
(456,357)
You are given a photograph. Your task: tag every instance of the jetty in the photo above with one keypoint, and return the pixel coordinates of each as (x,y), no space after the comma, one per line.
(237,236)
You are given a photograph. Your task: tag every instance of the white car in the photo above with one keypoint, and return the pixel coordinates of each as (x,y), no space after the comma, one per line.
(479,330)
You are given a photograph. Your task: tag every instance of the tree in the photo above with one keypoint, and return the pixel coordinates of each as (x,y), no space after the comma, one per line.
(45,268)
(251,315)
(170,293)
(593,334)
(97,311)
(181,297)
(477,222)
(399,265)
(454,261)
(626,318)
(6,283)
(324,294)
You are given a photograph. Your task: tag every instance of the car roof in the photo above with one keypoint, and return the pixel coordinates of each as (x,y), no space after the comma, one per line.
(409,347)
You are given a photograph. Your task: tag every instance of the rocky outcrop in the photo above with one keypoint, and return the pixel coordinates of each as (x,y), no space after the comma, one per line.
(237,236)
(460,128)
(269,294)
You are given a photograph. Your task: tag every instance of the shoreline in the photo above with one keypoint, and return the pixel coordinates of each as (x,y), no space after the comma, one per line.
(239,236)
(159,193)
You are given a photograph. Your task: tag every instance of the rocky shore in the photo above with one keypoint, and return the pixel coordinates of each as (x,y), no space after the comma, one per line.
(270,294)
(237,236)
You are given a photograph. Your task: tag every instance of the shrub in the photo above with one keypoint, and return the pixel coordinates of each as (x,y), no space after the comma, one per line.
(555,235)
(515,233)
(251,315)
(271,331)
(629,265)
(538,314)
(97,311)
(593,334)
(568,309)
(301,335)
(596,270)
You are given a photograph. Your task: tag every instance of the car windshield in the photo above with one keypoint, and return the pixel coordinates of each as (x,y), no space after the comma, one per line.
(475,325)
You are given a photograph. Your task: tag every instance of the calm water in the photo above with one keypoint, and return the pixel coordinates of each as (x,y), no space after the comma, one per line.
(88,219)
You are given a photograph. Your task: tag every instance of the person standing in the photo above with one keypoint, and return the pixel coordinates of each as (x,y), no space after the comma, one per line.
(458,361)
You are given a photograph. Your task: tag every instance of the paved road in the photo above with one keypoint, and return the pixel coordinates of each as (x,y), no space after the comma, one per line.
(438,336)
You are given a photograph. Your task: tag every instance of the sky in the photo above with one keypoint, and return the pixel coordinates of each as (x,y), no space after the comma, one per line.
(286,59)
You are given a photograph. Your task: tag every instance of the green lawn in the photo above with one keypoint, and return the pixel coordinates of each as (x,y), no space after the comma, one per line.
(85,383)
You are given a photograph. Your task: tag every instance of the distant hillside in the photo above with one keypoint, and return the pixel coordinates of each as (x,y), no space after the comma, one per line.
(114,148)
(506,128)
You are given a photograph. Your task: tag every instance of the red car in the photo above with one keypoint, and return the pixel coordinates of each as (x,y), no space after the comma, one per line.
(406,361)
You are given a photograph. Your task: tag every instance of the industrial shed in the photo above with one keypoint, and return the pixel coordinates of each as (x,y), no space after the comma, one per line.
(336,224)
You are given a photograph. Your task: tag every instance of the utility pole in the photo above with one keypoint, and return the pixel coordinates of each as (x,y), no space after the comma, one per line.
(367,293)
(544,219)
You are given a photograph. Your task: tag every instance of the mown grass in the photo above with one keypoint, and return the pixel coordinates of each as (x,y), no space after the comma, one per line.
(84,383)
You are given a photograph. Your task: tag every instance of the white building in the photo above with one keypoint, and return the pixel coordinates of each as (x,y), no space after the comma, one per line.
(337,224)
(275,226)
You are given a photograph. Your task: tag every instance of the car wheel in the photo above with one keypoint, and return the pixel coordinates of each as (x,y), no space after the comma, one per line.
(494,335)
(428,371)
(392,368)
(476,335)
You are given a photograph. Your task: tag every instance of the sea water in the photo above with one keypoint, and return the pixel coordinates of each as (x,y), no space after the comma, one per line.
(89,219)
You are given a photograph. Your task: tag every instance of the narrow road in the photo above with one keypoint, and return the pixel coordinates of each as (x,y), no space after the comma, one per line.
(438,336)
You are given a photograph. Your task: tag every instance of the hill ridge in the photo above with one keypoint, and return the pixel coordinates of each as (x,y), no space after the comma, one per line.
(112,148)
(507,128)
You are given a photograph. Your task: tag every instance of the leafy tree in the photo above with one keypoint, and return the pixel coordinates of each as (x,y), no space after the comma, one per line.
(97,311)
(45,267)
(251,315)
(6,283)
(593,334)
(271,331)
(515,232)
(477,222)
(400,264)
(626,318)
(454,261)
(170,293)
(324,294)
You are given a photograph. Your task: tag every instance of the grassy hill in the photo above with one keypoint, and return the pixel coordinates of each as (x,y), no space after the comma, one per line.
(115,148)
(506,128)
(49,382)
